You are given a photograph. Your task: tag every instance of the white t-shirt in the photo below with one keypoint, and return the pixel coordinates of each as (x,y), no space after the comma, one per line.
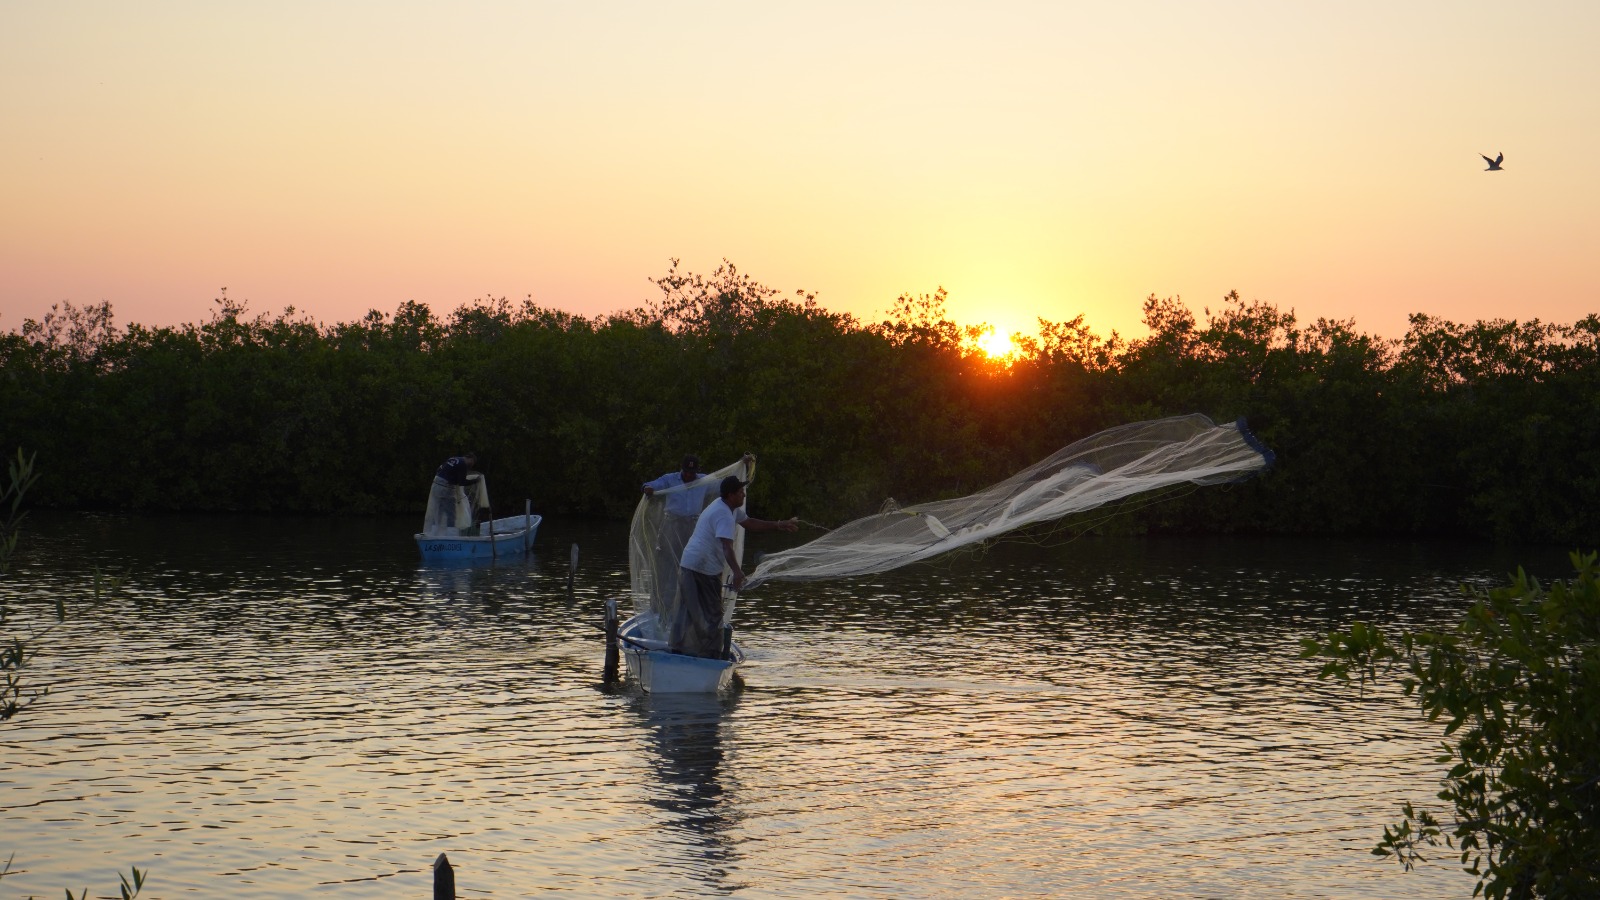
(703,553)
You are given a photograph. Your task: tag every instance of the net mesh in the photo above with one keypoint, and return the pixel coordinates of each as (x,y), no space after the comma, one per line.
(1102,468)
(657,536)
(451,508)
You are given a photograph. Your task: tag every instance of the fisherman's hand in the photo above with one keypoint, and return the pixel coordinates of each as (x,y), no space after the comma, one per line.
(738,581)
(790,524)
(649,492)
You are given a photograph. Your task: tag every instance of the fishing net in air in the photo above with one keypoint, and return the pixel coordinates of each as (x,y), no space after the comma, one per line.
(1105,467)
(662,524)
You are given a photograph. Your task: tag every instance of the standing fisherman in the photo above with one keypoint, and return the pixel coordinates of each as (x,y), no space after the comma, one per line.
(448,501)
(696,629)
(680,510)
(682,507)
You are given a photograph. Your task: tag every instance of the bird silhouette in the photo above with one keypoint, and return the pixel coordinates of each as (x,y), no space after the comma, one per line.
(1494,164)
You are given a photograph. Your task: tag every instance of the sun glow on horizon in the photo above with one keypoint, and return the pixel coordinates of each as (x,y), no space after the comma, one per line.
(343,163)
(997,342)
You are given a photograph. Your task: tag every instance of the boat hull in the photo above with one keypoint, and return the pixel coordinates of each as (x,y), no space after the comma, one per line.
(659,671)
(510,538)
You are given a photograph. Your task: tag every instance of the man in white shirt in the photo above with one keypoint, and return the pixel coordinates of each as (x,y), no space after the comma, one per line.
(696,629)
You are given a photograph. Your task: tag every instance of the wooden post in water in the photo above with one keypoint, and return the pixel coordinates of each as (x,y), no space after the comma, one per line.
(572,570)
(612,652)
(444,879)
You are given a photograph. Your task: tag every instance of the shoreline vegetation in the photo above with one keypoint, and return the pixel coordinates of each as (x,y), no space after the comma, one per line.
(1483,431)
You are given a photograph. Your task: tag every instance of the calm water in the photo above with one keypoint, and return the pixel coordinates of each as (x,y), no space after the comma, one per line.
(287,707)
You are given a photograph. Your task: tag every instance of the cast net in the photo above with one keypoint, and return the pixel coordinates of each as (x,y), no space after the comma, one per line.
(662,524)
(452,509)
(1105,467)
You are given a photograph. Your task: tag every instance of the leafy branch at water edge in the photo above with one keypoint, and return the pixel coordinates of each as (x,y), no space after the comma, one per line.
(20,477)
(14,653)
(1517,686)
(128,890)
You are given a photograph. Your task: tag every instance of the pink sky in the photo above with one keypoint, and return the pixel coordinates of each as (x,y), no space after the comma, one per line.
(1034,159)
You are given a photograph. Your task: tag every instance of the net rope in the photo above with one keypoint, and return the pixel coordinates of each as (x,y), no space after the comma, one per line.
(1103,468)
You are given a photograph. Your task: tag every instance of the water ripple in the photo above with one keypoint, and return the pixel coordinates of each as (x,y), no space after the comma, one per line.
(258,717)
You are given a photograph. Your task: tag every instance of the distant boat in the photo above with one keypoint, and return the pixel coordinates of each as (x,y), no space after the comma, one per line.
(506,538)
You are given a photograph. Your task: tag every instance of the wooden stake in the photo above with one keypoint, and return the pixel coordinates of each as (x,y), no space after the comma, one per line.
(444,879)
(612,653)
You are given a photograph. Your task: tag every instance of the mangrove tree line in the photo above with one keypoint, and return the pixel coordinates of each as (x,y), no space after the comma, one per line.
(1484,430)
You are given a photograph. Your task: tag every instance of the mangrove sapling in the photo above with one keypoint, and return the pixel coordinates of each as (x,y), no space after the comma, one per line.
(1517,685)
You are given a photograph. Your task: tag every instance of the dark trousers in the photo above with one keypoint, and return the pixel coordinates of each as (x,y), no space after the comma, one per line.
(697,629)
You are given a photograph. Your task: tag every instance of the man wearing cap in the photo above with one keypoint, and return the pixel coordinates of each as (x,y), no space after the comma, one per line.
(682,508)
(683,504)
(696,629)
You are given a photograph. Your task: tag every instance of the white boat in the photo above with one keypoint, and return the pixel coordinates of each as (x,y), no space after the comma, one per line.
(506,538)
(660,671)
(654,551)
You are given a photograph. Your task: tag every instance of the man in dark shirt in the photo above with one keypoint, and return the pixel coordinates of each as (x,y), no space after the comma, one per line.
(455,469)
(448,497)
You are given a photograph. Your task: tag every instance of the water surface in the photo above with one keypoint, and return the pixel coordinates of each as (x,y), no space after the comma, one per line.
(296,707)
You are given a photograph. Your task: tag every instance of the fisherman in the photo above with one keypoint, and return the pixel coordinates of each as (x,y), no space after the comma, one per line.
(695,630)
(448,500)
(680,509)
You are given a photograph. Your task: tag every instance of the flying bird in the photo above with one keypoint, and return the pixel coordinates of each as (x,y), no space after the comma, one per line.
(1494,164)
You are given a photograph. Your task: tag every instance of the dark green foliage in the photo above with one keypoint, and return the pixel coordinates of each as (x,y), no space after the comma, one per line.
(1517,686)
(20,476)
(1483,430)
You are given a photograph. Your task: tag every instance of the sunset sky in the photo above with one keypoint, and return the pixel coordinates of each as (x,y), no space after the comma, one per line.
(1034,159)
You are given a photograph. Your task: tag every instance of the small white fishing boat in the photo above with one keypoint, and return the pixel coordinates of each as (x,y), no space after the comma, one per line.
(660,671)
(505,538)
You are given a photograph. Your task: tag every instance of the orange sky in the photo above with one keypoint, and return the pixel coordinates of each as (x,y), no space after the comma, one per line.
(1035,159)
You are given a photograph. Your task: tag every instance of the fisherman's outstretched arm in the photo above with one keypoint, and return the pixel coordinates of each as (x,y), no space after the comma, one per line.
(754,524)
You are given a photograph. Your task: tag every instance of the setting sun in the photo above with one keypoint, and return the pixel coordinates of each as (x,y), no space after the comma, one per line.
(996,344)
(996,340)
